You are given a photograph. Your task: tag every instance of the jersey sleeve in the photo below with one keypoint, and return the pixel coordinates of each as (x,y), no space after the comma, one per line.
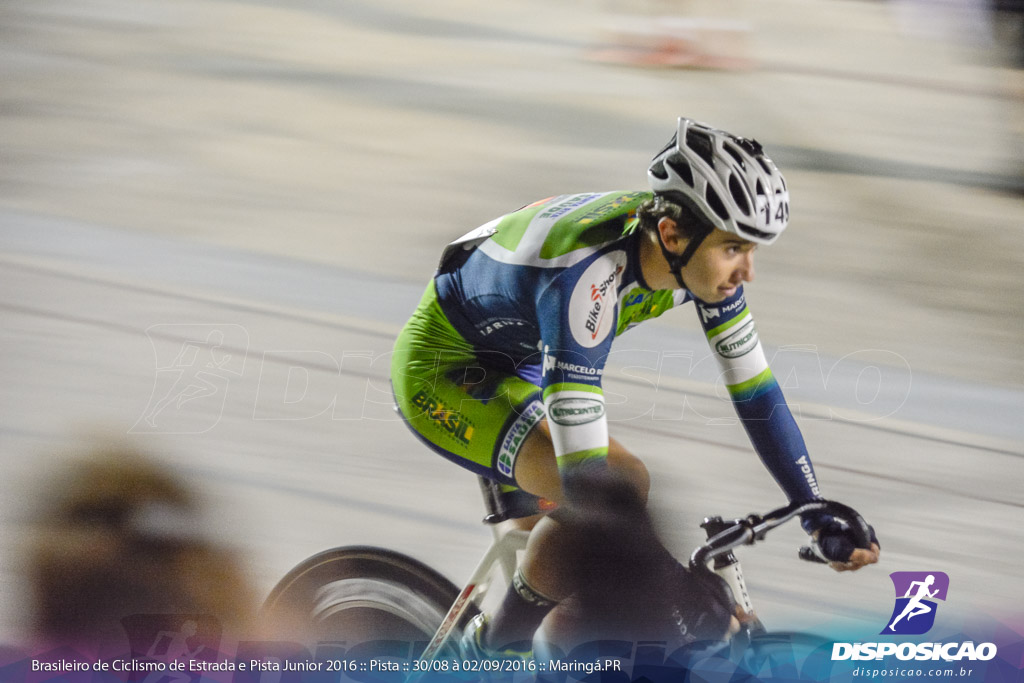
(577,314)
(757,397)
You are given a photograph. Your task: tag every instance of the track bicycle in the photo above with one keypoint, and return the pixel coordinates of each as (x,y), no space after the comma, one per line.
(385,604)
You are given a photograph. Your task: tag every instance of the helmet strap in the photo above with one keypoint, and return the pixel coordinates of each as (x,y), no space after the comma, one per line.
(676,262)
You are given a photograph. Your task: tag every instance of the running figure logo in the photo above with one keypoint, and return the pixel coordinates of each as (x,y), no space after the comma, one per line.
(916,593)
(172,639)
(194,367)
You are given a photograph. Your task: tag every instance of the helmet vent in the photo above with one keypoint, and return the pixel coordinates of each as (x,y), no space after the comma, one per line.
(723,179)
(715,202)
(700,143)
(735,154)
(738,195)
(682,168)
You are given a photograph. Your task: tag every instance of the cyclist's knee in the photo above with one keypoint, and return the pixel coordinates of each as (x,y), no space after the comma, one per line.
(544,563)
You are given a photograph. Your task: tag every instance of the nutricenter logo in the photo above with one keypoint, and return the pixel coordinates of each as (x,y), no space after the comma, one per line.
(576,411)
(914,614)
(738,343)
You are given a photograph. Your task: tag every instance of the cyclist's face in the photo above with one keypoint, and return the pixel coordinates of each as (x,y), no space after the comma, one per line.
(722,263)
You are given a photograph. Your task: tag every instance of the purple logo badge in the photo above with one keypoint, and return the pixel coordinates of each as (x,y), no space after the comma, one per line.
(916,593)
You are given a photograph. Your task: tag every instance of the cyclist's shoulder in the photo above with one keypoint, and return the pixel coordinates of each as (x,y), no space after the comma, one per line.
(586,206)
(561,231)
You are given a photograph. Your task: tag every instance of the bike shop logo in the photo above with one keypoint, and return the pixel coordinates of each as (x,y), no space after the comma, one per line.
(913,615)
(592,304)
(916,593)
(597,311)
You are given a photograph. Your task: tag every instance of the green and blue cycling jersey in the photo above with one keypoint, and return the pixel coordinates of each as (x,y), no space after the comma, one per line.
(519,320)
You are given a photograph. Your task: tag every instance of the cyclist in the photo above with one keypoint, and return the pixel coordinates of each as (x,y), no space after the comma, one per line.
(499,369)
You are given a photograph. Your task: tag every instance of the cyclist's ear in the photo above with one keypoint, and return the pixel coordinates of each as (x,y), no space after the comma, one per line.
(671,235)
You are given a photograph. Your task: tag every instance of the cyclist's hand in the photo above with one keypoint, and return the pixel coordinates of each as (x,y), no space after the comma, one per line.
(834,543)
(734,628)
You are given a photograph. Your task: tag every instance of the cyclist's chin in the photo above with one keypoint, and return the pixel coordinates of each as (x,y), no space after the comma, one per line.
(715,296)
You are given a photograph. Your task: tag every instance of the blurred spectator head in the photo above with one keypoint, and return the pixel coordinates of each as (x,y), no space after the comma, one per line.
(118,535)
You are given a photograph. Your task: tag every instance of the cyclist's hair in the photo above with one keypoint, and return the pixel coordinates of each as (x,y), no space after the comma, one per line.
(675,206)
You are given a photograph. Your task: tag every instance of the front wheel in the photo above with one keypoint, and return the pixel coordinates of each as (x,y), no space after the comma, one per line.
(360,594)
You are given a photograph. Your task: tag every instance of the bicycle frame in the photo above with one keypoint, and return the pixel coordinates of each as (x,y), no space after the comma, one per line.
(501,554)
(723,537)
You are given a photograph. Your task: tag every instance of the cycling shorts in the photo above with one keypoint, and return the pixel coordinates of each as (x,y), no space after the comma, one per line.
(463,409)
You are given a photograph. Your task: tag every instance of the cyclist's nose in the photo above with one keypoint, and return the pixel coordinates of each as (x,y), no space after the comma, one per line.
(747,267)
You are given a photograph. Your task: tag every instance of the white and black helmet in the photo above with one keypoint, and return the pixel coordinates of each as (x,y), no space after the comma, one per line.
(728,179)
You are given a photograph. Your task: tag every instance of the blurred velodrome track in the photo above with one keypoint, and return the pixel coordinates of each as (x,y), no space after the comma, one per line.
(215,216)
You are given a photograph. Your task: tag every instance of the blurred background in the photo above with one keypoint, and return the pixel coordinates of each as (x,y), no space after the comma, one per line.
(215,216)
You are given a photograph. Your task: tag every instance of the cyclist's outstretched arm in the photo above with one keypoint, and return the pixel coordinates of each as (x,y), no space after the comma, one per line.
(768,421)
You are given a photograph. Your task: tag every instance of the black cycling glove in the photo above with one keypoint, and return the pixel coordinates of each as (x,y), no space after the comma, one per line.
(834,541)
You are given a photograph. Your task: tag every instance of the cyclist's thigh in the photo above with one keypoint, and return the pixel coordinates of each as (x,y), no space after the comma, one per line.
(474,415)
